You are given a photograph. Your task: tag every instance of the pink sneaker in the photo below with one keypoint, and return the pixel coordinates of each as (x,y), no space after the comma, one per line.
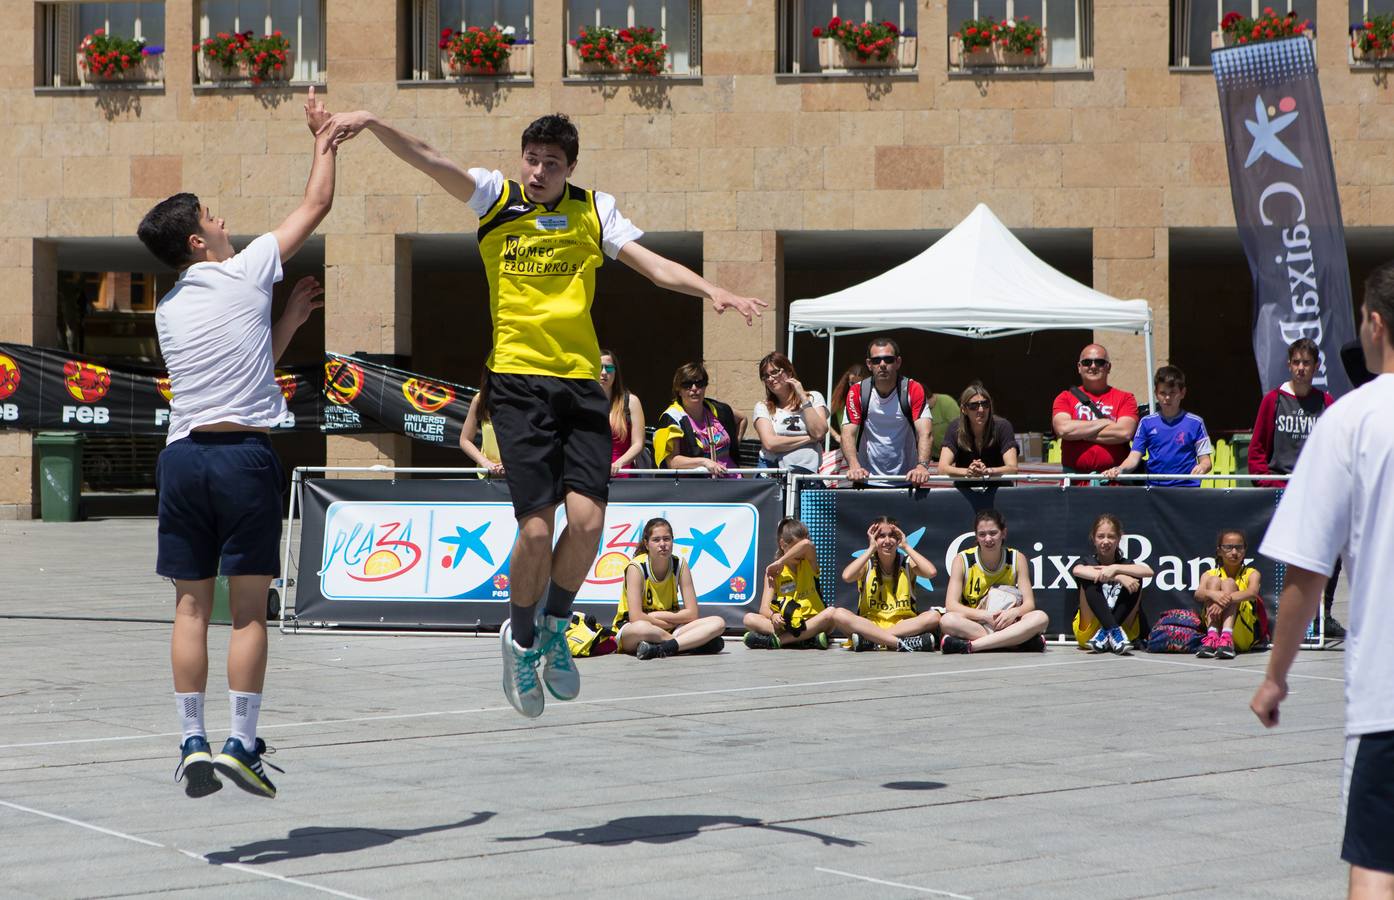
(1224,647)
(1209,645)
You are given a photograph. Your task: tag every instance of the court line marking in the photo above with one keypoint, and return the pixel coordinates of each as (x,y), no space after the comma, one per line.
(793,685)
(908,887)
(1260,672)
(189,853)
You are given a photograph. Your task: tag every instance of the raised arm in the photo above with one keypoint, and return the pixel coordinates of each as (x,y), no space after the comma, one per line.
(675,276)
(319,190)
(415,152)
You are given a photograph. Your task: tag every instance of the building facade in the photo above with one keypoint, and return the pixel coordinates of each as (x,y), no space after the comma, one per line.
(767,168)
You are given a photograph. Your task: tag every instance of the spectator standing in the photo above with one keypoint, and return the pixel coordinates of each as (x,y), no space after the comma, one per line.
(478,424)
(887,430)
(979,443)
(790,421)
(1095,422)
(696,431)
(1174,441)
(838,401)
(626,416)
(943,412)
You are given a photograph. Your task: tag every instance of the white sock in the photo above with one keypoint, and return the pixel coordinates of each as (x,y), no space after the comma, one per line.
(245,708)
(190,708)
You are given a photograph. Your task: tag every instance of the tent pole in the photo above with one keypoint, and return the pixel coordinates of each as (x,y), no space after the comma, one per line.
(789,352)
(1151,366)
(828,397)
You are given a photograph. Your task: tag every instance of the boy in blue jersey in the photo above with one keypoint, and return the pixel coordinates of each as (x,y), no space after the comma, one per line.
(1174,441)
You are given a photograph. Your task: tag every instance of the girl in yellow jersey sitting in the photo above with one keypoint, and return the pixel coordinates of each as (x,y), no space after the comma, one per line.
(791,611)
(660,625)
(989,605)
(887,614)
(1228,599)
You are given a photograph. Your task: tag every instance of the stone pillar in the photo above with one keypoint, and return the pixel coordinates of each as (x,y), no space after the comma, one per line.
(751,264)
(367,309)
(28,315)
(360,42)
(1131,263)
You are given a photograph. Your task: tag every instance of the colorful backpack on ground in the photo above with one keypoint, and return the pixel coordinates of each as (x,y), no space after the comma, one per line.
(1177,631)
(586,637)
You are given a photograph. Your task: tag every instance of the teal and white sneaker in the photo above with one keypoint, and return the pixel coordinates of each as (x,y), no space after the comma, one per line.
(195,768)
(1099,643)
(244,767)
(558,668)
(520,683)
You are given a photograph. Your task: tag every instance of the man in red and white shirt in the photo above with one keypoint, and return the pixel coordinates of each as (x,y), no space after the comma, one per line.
(890,432)
(1094,421)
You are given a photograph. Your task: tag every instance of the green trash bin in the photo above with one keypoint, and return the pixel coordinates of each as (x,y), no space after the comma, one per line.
(60,475)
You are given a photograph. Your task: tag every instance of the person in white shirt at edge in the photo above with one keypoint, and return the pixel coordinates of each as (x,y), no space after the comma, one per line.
(891,440)
(1338,502)
(219,479)
(790,421)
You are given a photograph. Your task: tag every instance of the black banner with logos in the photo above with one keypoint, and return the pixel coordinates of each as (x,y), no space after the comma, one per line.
(366,396)
(1173,530)
(1286,205)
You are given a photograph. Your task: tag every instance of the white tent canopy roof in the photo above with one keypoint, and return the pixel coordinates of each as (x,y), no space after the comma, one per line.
(977,281)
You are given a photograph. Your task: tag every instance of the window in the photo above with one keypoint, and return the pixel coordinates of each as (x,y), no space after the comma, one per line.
(798,48)
(1069,25)
(430,17)
(1360,12)
(1194,21)
(64,25)
(677,22)
(300,21)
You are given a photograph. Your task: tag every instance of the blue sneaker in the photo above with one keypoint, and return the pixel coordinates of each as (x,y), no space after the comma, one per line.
(195,768)
(245,768)
(558,668)
(520,683)
(1099,642)
(1118,642)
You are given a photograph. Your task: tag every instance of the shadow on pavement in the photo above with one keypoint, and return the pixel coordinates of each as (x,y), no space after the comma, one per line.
(667,830)
(304,842)
(914,785)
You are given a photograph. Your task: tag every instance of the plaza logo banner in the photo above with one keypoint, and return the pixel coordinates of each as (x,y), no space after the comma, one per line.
(438,553)
(1286,205)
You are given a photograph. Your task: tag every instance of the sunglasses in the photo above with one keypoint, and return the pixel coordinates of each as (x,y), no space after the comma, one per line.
(1094,362)
(772,373)
(696,384)
(608,369)
(1233,548)
(978,404)
(881,360)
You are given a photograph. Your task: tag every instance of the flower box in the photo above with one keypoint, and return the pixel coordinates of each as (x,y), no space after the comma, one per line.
(1221,39)
(833,55)
(212,72)
(995,56)
(150,69)
(1360,55)
(575,65)
(518,63)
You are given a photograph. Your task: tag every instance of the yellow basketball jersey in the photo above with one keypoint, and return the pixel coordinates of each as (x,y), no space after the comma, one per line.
(883,603)
(977,581)
(796,595)
(659,596)
(1242,582)
(541,266)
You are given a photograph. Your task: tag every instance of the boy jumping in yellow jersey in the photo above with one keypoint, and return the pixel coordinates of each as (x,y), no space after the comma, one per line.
(542,238)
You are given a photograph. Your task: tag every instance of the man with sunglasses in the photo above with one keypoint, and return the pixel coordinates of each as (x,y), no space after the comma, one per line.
(887,429)
(1095,422)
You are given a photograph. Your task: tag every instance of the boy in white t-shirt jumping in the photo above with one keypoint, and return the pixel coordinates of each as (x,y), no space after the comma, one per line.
(219,480)
(1338,503)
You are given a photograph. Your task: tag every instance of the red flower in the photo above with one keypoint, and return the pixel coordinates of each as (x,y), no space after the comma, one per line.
(832,23)
(972,30)
(817,32)
(445,32)
(444,44)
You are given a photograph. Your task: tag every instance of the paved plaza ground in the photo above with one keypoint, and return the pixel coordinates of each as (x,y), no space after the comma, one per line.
(787,774)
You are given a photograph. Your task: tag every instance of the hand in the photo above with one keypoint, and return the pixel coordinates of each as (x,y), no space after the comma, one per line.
(1128,583)
(871,535)
(714,467)
(315,113)
(1005,617)
(496,470)
(615,468)
(1266,700)
(344,126)
(1108,573)
(977,469)
(302,300)
(773,569)
(1113,473)
(857,475)
(919,476)
(749,307)
(797,388)
(777,621)
(1198,469)
(899,535)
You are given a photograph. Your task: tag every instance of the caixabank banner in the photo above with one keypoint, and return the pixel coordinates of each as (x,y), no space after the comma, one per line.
(437,554)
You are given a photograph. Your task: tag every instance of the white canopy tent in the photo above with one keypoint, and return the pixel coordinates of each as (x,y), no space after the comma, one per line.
(977,281)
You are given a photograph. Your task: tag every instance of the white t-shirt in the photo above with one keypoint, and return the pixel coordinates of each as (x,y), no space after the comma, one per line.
(215,334)
(789,423)
(1338,502)
(615,229)
(890,447)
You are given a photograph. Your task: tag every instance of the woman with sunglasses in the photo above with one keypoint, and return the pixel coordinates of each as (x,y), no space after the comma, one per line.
(790,421)
(626,415)
(697,431)
(979,443)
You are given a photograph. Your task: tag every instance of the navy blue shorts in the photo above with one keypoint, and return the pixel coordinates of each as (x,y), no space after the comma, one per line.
(1369,839)
(220,498)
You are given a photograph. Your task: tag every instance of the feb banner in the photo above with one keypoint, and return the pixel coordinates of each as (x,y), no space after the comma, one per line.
(366,396)
(49,389)
(1286,205)
(1173,530)
(437,553)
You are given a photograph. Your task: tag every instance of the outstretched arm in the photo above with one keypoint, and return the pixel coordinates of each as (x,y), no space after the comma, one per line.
(319,190)
(414,151)
(676,277)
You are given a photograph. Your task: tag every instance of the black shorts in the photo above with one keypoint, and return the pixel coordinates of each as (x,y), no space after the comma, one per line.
(220,499)
(554,437)
(1369,841)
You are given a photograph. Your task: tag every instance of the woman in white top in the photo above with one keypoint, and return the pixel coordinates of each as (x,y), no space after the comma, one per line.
(790,421)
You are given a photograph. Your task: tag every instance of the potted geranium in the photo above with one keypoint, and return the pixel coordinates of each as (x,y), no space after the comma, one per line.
(269,58)
(594,51)
(105,58)
(1374,38)
(1023,42)
(642,53)
(975,43)
(845,44)
(1236,29)
(222,57)
(484,51)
